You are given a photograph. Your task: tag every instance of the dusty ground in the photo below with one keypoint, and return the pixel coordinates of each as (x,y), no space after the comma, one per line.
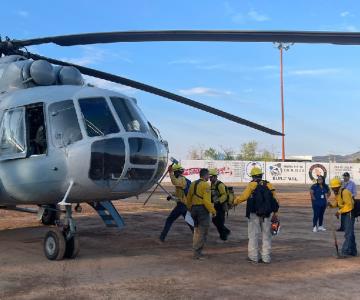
(130,264)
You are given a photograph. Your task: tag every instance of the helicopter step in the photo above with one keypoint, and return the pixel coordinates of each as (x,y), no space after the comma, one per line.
(108,213)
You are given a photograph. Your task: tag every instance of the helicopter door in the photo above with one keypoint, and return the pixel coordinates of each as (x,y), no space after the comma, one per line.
(13,134)
(36,130)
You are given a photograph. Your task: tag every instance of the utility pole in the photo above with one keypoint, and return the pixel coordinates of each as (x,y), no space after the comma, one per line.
(281,47)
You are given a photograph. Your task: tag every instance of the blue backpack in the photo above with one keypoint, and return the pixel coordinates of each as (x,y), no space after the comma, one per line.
(186,189)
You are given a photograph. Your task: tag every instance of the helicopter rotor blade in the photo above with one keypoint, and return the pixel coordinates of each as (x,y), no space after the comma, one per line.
(327,37)
(156,91)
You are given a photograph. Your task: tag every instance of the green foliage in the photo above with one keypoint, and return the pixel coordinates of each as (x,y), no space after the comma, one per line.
(248,151)
(211,153)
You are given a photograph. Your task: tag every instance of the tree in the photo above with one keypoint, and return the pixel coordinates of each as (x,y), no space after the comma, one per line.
(211,153)
(248,150)
(267,156)
(194,154)
(228,153)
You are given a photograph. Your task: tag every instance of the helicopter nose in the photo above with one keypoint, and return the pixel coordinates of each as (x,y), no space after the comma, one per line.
(107,159)
(127,173)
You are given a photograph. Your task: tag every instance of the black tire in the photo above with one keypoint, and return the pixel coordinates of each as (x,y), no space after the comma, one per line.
(72,247)
(50,215)
(54,244)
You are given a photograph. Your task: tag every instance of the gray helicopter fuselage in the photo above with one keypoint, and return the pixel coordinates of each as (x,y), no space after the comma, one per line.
(115,162)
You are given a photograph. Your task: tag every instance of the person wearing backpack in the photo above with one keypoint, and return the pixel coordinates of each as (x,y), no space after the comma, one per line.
(351,186)
(219,196)
(199,203)
(181,188)
(261,211)
(345,203)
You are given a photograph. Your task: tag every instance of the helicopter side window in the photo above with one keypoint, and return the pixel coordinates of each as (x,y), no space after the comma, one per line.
(97,117)
(128,114)
(65,127)
(13,134)
(36,129)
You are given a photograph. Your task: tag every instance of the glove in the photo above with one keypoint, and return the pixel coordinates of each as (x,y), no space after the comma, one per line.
(170,169)
(274,218)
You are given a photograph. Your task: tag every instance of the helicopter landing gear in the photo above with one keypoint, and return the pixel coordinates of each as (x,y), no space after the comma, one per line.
(50,215)
(61,241)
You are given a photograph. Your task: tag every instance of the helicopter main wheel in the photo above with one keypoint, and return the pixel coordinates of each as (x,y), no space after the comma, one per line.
(50,215)
(54,244)
(72,247)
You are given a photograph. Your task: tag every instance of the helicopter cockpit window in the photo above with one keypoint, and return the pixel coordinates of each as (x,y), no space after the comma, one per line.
(129,115)
(36,129)
(97,117)
(64,123)
(13,137)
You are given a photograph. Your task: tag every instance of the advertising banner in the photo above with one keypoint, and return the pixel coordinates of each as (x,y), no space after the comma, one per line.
(338,169)
(313,170)
(285,172)
(248,165)
(277,172)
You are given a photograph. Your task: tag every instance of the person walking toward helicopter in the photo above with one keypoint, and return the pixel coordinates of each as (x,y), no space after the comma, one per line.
(219,196)
(181,186)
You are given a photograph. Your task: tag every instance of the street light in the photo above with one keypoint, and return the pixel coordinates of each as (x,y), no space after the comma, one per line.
(281,47)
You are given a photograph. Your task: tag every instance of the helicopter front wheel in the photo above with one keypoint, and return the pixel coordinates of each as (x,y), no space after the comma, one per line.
(54,244)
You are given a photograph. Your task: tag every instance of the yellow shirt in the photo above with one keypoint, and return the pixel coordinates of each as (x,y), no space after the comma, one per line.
(344,201)
(219,194)
(180,185)
(246,194)
(201,197)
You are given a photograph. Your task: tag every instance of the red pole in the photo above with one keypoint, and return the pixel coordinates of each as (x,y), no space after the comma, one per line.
(282,103)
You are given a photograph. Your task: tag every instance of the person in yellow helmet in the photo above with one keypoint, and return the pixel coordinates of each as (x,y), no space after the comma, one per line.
(345,204)
(261,211)
(219,196)
(199,203)
(180,183)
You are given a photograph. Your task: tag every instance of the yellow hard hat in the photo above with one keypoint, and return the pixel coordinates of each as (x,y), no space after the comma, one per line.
(177,167)
(213,172)
(335,182)
(256,171)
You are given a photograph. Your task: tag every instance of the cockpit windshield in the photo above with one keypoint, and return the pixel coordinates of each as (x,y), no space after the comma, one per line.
(129,115)
(97,117)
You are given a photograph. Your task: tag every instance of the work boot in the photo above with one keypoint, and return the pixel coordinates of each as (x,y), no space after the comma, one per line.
(255,262)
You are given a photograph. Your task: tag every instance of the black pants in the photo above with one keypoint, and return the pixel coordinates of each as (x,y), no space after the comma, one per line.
(219,221)
(179,210)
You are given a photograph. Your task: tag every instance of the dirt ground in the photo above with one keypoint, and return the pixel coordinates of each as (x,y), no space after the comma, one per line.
(131,264)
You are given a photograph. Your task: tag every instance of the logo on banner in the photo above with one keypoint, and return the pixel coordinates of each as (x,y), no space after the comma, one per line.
(252,165)
(275,170)
(317,170)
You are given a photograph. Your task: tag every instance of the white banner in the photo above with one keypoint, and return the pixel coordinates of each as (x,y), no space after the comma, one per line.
(338,169)
(285,172)
(313,170)
(276,172)
(248,165)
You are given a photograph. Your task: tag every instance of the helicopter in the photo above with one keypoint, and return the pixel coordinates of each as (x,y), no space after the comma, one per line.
(63,142)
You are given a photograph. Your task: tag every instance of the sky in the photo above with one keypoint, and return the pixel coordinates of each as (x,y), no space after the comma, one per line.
(322,88)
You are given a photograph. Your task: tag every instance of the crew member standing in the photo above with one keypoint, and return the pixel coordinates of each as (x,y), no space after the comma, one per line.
(219,196)
(261,204)
(344,201)
(319,193)
(199,203)
(179,181)
(351,187)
